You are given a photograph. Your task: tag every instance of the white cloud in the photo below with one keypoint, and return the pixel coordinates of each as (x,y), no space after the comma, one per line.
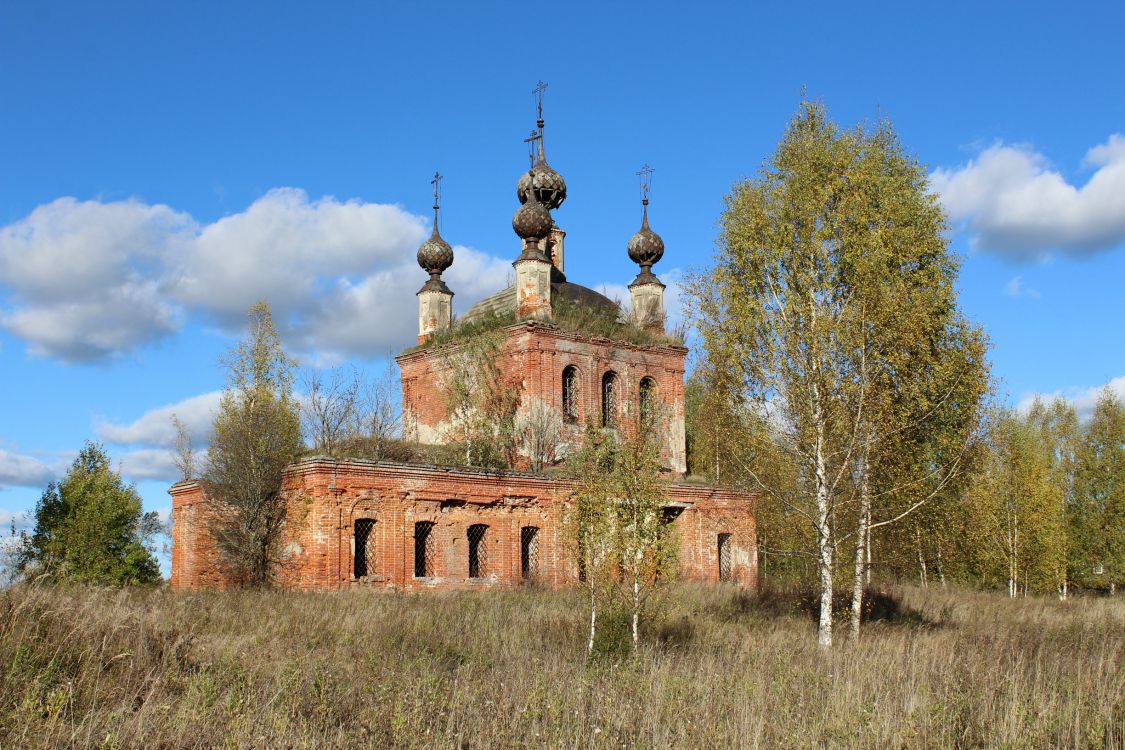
(154,427)
(85,278)
(20,519)
(286,249)
(1015,288)
(87,281)
(1015,205)
(1082,399)
(149,463)
(24,471)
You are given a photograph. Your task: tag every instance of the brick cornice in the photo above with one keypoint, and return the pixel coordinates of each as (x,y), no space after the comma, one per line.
(545,330)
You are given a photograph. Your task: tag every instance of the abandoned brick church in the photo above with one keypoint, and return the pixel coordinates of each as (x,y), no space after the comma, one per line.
(360,523)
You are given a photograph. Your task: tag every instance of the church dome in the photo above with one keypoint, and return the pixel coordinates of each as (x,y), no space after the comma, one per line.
(503,303)
(532,221)
(548,185)
(435,255)
(646,247)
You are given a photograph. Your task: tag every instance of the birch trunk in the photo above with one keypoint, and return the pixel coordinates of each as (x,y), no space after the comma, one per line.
(824,529)
(862,535)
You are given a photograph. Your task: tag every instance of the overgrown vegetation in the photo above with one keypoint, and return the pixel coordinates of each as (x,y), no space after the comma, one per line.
(586,320)
(256,435)
(152,668)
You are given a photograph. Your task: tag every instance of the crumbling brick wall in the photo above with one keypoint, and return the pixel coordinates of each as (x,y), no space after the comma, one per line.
(326,497)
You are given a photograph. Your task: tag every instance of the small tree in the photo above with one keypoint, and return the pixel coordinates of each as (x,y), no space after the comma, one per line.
(184,452)
(621,536)
(90,528)
(539,431)
(330,409)
(482,402)
(256,435)
(377,412)
(641,532)
(591,518)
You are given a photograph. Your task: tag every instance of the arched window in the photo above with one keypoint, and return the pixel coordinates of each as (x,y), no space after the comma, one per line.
(570,394)
(478,551)
(423,549)
(724,557)
(529,552)
(648,399)
(363,554)
(609,399)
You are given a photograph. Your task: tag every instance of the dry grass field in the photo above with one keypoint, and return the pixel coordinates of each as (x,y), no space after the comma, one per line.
(95,668)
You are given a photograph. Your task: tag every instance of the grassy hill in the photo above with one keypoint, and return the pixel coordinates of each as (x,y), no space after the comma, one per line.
(149,668)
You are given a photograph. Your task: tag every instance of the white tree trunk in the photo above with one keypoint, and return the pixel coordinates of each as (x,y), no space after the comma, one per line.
(863,533)
(823,530)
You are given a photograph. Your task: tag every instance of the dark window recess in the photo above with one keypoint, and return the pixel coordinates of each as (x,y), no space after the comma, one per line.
(529,552)
(423,549)
(609,400)
(570,394)
(364,555)
(669,514)
(478,551)
(648,399)
(724,557)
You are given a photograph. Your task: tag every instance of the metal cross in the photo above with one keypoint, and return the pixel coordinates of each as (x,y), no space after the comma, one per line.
(537,92)
(531,140)
(436,182)
(646,180)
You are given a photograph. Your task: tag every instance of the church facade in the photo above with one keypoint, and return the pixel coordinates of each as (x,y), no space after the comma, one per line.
(370,524)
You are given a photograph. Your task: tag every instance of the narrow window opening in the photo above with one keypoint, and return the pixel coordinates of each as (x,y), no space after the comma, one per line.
(478,551)
(609,400)
(529,552)
(724,557)
(570,394)
(364,550)
(647,399)
(423,549)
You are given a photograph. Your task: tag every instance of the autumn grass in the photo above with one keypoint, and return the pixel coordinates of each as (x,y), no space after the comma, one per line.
(100,668)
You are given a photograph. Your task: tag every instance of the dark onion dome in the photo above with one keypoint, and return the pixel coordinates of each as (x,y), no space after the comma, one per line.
(645,247)
(532,221)
(547,184)
(435,255)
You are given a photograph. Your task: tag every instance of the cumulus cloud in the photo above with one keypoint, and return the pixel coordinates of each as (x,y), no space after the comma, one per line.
(154,427)
(1016,205)
(149,463)
(24,471)
(1082,399)
(87,281)
(1016,288)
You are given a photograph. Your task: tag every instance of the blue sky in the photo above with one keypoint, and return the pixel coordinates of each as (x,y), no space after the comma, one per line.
(163,165)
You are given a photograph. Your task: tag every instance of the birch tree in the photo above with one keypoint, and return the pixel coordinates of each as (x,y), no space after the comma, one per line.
(832,298)
(1097,519)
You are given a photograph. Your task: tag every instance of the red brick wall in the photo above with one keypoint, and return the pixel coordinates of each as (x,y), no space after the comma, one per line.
(327,497)
(535,355)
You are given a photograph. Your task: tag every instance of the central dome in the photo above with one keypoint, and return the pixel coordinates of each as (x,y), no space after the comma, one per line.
(503,303)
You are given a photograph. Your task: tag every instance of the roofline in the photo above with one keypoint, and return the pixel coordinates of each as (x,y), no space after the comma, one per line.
(552,331)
